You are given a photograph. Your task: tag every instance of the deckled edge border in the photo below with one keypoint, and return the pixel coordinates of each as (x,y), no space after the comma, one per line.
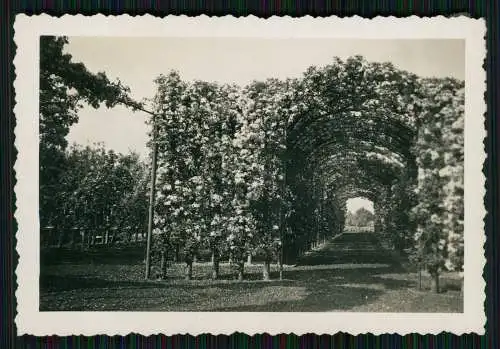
(274,20)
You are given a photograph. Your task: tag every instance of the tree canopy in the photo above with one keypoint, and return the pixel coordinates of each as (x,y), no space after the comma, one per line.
(64,86)
(361,218)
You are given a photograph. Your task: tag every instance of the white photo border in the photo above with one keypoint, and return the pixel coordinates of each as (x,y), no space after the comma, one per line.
(30,320)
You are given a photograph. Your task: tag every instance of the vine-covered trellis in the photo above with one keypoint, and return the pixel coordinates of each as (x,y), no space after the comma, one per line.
(267,169)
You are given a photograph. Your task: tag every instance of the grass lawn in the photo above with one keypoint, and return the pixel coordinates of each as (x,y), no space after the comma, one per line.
(114,284)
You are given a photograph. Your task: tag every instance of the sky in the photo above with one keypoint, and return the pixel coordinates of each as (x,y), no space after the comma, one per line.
(138,61)
(354,204)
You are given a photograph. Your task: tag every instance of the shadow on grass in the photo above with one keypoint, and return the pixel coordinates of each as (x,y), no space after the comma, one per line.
(52,283)
(284,295)
(353,274)
(360,248)
(110,255)
(321,288)
(358,276)
(323,298)
(332,278)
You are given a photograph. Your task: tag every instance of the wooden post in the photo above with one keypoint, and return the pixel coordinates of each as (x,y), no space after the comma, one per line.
(151,202)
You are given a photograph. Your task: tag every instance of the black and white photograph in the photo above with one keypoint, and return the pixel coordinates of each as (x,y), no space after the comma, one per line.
(254,174)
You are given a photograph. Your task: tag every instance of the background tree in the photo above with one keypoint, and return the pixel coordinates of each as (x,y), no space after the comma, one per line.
(64,87)
(102,192)
(362,218)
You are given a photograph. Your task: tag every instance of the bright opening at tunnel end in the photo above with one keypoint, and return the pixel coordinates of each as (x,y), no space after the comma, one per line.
(354,204)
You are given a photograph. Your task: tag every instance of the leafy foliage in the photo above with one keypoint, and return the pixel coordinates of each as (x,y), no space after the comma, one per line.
(361,218)
(100,192)
(64,86)
(440,157)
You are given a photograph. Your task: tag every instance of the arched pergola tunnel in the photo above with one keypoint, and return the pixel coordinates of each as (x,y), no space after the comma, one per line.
(333,154)
(322,182)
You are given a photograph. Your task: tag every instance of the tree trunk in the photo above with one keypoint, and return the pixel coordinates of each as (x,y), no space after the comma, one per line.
(163,265)
(266,270)
(72,238)
(241,267)
(280,266)
(435,282)
(461,282)
(189,270)
(215,266)
(249,259)
(60,240)
(177,253)
(419,278)
(83,238)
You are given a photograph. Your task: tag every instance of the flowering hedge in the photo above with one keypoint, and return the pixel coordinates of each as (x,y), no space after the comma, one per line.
(440,158)
(268,168)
